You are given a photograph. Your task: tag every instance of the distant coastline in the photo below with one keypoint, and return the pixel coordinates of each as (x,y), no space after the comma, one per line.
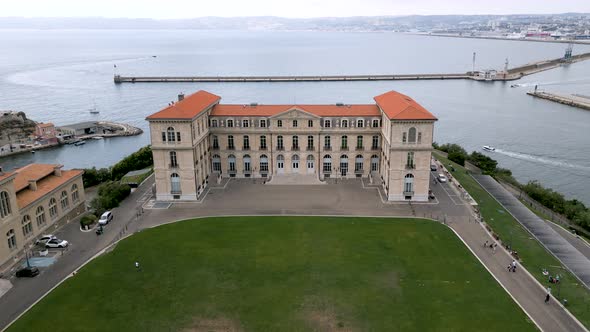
(578,42)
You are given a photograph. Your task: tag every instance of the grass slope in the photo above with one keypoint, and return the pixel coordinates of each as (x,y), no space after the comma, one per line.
(283,274)
(534,256)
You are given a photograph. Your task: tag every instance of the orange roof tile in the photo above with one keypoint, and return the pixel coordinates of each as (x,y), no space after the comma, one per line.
(31,172)
(187,108)
(45,186)
(398,106)
(6,175)
(319,110)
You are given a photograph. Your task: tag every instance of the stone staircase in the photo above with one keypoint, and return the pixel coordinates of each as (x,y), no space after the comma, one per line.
(295,179)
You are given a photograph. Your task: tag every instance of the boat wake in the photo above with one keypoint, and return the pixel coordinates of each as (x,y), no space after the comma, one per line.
(541,160)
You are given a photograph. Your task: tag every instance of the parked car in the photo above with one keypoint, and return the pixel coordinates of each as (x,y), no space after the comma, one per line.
(29,272)
(56,243)
(433,167)
(43,239)
(106,218)
(442,178)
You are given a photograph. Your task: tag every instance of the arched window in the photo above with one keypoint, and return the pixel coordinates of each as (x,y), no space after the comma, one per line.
(280,162)
(247,163)
(173,160)
(343,165)
(75,194)
(358,163)
(295,162)
(11,238)
(327,167)
(310,162)
(374,163)
(216,162)
(5,208)
(263,163)
(344,123)
(175,183)
(53,208)
(65,203)
(408,183)
(170,134)
(412,135)
(27,226)
(231,159)
(40,216)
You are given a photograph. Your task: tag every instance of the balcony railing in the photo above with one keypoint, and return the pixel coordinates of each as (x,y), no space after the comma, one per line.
(360,148)
(327,148)
(295,148)
(310,148)
(410,166)
(280,148)
(173,165)
(175,191)
(408,193)
(263,148)
(246,148)
(231,147)
(344,148)
(374,148)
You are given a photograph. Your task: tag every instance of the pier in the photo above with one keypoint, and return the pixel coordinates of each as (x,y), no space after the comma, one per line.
(505,75)
(566,99)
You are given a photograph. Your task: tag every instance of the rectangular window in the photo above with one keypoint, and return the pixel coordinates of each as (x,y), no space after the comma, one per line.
(310,142)
(215,142)
(232,165)
(404,137)
(263,142)
(178,136)
(327,124)
(230,123)
(230,142)
(327,167)
(375,123)
(163,136)
(263,123)
(359,142)
(310,123)
(213,123)
(295,143)
(327,142)
(419,138)
(264,166)
(280,145)
(279,123)
(344,123)
(295,123)
(246,143)
(360,123)
(375,144)
(410,160)
(344,142)
(245,123)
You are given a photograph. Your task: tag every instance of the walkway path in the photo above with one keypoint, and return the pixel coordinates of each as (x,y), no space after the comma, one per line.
(571,257)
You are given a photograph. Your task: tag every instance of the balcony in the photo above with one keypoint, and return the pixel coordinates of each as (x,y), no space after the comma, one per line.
(175,191)
(358,171)
(246,148)
(327,148)
(263,148)
(295,148)
(410,166)
(375,148)
(344,148)
(408,193)
(172,165)
(280,148)
(310,148)
(215,147)
(231,147)
(360,148)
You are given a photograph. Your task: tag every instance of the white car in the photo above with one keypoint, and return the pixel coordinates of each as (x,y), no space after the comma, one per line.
(106,218)
(43,239)
(56,243)
(442,178)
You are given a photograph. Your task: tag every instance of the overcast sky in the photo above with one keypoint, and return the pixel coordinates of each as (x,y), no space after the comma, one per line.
(160,9)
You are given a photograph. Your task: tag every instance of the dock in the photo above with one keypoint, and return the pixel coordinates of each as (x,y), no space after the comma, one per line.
(566,99)
(505,75)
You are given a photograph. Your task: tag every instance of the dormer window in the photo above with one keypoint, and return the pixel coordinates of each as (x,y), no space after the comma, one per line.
(213,123)
(344,123)
(327,123)
(245,123)
(230,123)
(263,123)
(359,123)
(375,123)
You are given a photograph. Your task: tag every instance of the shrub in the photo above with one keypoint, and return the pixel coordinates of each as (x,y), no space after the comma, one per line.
(138,160)
(88,219)
(92,176)
(111,193)
(485,163)
(457,157)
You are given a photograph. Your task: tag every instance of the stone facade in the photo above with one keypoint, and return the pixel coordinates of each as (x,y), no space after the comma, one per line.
(198,140)
(35,200)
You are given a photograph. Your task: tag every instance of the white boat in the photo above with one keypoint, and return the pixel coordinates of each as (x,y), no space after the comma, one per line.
(97,137)
(79,143)
(489,148)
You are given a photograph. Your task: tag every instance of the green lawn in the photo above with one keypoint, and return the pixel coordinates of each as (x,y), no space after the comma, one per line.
(533,254)
(283,274)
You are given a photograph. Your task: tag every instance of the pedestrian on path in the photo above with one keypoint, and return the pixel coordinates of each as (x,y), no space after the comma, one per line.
(548,296)
(513,265)
(485,245)
(494,248)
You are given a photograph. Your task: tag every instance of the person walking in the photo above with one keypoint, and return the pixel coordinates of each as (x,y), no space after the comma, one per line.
(485,245)
(494,248)
(548,296)
(513,265)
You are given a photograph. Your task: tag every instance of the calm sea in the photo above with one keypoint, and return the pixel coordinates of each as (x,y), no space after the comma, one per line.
(59,75)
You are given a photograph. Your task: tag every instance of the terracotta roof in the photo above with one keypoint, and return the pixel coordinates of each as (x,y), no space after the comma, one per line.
(6,175)
(398,106)
(319,110)
(44,186)
(31,172)
(187,108)
(45,125)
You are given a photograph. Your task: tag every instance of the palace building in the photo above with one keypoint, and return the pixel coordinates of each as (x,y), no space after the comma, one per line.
(198,139)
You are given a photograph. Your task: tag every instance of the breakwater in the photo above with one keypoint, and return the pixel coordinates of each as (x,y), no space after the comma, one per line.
(489,75)
(566,99)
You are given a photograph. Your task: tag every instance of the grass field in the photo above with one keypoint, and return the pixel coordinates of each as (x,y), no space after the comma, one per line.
(282,274)
(534,256)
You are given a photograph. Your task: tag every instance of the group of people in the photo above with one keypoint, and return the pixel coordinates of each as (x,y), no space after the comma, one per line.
(491,245)
(512,266)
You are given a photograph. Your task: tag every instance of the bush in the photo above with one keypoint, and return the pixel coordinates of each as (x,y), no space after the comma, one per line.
(110,194)
(88,219)
(92,176)
(485,163)
(138,160)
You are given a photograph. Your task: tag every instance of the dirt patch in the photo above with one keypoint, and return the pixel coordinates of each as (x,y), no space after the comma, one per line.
(321,316)
(219,324)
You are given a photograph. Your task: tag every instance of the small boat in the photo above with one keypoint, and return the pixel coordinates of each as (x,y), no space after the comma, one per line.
(97,137)
(32,151)
(489,148)
(94,112)
(79,143)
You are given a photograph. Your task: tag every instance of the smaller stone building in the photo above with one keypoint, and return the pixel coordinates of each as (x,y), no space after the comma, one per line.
(35,200)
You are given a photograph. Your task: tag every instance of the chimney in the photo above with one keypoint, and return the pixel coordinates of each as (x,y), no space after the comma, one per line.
(57,170)
(180,96)
(33,185)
